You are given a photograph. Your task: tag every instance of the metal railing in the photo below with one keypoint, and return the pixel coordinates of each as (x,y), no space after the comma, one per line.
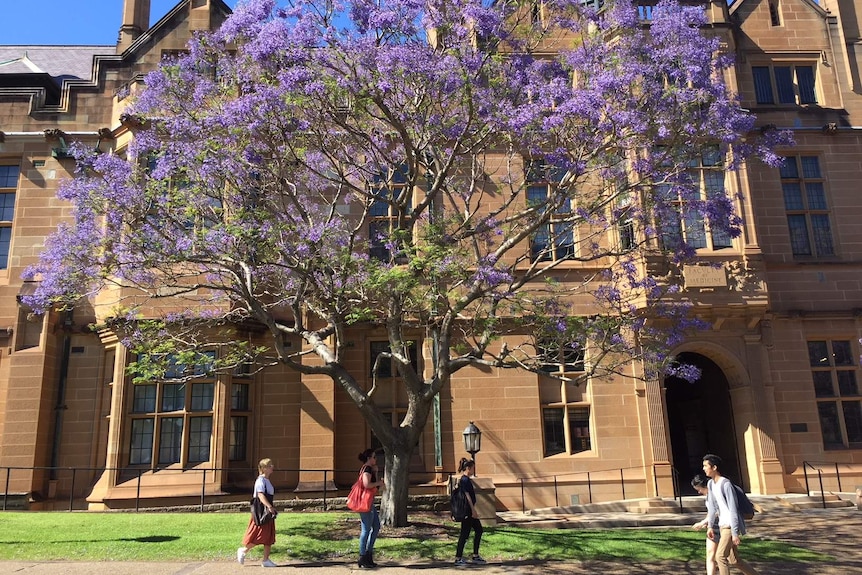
(814,467)
(237,486)
(589,481)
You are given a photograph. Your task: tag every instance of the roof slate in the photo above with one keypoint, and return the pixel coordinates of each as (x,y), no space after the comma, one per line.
(60,62)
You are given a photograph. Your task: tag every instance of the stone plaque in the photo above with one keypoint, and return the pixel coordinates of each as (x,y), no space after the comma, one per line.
(704,277)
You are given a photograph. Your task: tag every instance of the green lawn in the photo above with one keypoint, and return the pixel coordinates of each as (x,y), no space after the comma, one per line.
(308,536)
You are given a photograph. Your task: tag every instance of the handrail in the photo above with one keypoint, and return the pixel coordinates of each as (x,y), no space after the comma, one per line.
(589,483)
(813,465)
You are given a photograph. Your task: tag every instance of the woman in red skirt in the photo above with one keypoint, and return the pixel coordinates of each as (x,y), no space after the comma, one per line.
(261,534)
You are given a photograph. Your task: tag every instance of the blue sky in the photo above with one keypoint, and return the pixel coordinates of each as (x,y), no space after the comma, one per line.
(69,21)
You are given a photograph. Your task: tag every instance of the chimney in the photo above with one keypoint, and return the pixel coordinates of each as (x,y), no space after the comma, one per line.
(136,21)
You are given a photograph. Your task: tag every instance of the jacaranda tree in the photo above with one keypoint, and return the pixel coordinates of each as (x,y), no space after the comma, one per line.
(489,181)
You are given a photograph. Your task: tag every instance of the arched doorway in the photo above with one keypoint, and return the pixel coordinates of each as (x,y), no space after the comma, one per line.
(700,420)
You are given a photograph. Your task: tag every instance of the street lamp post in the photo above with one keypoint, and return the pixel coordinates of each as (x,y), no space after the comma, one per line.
(472,441)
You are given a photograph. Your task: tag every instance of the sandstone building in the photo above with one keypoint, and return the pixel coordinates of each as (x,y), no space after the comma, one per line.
(780,391)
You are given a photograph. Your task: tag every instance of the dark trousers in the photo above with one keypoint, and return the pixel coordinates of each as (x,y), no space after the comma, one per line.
(466,526)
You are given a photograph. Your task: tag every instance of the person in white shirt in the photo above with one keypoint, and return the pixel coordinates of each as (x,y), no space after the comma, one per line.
(700,485)
(721,498)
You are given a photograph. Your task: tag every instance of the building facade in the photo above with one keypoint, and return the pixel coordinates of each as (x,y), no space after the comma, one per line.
(779,391)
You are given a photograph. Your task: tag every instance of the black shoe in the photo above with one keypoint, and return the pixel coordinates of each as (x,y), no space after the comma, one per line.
(363,562)
(369,558)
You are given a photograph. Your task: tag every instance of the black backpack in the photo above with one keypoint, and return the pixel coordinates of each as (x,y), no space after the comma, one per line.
(458,504)
(744,506)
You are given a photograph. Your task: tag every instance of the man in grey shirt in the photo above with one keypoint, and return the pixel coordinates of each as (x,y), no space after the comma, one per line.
(721,498)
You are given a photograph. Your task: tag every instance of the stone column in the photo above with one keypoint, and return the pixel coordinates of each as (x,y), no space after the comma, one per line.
(316,432)
(756,419)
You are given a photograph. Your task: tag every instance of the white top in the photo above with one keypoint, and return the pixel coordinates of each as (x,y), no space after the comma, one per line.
(262,484)
(722,496)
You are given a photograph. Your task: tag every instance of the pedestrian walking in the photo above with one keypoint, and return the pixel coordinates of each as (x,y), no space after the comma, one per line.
(721,499)
(699,482)
(467,468)
(261,534)
(369,520)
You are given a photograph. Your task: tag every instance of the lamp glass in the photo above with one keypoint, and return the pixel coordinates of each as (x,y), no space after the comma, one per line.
(472,439)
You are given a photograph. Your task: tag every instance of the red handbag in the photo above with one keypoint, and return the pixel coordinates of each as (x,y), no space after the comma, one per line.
(360,499)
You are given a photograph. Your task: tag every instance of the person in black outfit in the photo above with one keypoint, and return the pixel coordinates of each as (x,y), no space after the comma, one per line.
(467,468)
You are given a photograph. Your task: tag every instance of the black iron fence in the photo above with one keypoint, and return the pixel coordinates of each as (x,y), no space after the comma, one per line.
(76,483)
(611,484)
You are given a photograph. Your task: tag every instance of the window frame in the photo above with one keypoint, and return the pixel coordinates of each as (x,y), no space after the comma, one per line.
(383,211)
(541,181)
(170,410)
(559,394)
(7,191)
(785,91)
(689,223)
(833,370)
(820,240)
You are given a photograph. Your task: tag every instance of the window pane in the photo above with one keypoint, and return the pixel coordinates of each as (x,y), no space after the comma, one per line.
(627,235)
(713,181)
(853,420)
(784,83)
(170,440)
(829,426)
(141,448)
(144,398)
(789,169)
(540,244)
(810,167)
(671,231)
(238,438)
(720,237)
(552,419)
(385,367)
(7,207)
(200,436)
(818,354)
(173,396)
(564,243)
(816,195)
(792,195)
(762,85)
(805,79)
(579,427)
(202,396)
(847,383)
(9,176)
(823,384)
(712,156)
(842,353)
(799,242)
(822,234)
(5,245)
(380,207)
(695,233)
(378,238)
(239,396)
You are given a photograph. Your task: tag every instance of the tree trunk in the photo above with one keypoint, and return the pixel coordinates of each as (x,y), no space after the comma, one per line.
(393,506)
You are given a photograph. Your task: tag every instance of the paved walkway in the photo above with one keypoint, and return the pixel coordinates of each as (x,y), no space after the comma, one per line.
(835,532)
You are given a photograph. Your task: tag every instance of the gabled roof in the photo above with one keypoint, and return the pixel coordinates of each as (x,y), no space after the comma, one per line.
(58,62)
(47,74)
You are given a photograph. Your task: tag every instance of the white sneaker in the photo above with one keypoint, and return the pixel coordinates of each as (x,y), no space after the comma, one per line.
(240,555)
(268,563)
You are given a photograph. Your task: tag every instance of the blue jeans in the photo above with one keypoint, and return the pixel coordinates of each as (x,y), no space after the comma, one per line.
(370,528)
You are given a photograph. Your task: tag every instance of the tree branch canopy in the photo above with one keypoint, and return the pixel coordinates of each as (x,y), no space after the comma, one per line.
(445,167)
